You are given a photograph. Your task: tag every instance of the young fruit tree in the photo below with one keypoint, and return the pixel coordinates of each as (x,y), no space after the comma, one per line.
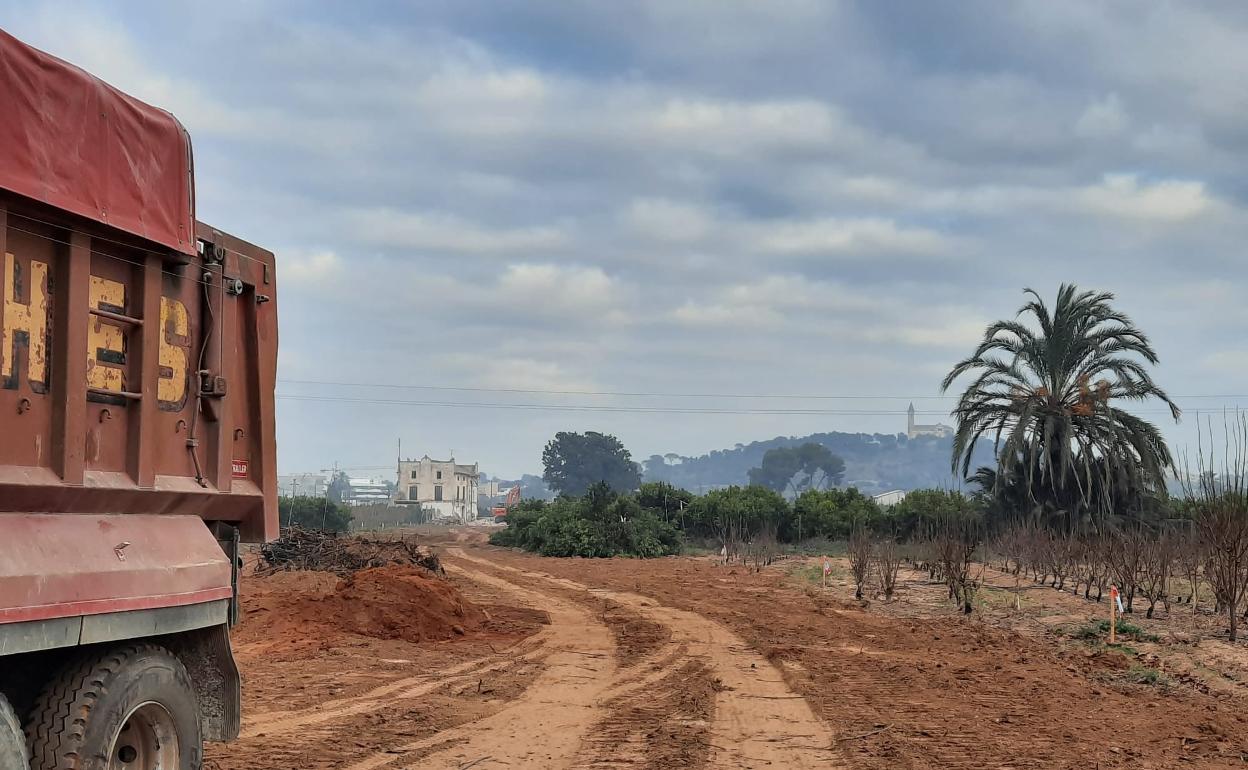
(860,558)
(1160,556)
(1219,505)
(953,544)
(887,565)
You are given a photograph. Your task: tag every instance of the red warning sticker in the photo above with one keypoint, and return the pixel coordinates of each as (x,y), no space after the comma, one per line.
(239,469)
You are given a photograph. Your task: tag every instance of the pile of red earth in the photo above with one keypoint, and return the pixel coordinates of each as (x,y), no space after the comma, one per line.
(305,549)
(407,603)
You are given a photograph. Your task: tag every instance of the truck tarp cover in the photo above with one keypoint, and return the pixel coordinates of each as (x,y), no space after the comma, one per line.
(74,142)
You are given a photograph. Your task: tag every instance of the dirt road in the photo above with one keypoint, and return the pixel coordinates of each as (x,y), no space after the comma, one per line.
(756,720)
(679,663)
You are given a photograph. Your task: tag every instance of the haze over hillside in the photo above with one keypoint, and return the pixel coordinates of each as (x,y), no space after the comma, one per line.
(873,462)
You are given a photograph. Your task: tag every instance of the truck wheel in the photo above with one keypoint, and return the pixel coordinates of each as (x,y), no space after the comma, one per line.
(129,708)
(12,744)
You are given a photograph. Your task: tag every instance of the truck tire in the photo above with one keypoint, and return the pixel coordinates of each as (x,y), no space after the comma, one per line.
(128,708)
(12,743)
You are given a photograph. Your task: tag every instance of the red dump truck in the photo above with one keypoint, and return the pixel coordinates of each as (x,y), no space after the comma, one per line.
(138,353)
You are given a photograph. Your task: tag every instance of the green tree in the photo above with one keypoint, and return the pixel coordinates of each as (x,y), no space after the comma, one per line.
(313,513)
(922,509)
(339,485)
(833,513)
(655,468)
(1046,394)
(796,469)
(575,461)
(663,499)
(738,512)
(600,524)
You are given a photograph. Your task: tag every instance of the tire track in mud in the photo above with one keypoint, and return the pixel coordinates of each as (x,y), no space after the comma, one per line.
(545,727)
(757,720)
(408,688)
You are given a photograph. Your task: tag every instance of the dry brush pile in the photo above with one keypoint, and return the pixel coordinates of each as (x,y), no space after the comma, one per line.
(302,549)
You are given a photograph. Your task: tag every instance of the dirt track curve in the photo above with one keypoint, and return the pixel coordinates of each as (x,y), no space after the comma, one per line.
(621,681)
(546,725)
(756,721)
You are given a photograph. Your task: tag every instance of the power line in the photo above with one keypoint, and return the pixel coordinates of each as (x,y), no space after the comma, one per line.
(627,394)
(623,409)
(582,407)
(643,394)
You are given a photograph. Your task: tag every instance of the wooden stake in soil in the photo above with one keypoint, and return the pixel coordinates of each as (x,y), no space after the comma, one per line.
(1113,621)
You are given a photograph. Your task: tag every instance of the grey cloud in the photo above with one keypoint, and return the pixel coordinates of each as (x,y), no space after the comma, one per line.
(798,195)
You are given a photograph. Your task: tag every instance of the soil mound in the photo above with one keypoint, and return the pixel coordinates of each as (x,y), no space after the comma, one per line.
(407,603)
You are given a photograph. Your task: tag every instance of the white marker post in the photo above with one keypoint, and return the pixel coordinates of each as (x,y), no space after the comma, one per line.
(1113,620)
(827,570)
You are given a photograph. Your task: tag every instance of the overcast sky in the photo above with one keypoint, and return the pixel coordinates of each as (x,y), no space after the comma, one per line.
(697,197)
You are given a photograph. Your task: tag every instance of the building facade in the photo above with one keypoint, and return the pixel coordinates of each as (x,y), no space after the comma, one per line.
(446,487)
(366,492)
(914,430)
(887,499)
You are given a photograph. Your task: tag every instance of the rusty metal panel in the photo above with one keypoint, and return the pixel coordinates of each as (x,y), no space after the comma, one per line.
(103,407)
(57,566)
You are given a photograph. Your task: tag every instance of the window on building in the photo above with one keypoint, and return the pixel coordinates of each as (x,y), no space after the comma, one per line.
(413,492)
(413,474)
(439,475)
(437,492)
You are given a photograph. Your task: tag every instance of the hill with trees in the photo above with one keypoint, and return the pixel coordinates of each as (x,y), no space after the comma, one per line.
(874,462)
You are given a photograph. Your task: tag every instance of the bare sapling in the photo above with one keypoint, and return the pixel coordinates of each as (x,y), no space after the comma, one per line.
(1126,552)
(728,530)
(1063,549)
(1095,566)
(955,539)
(764,547)
(1191,559)
(859,559)
(1219,500)
(1158,567)
(887,565)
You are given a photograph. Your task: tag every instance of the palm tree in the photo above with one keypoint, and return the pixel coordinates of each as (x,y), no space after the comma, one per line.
(1046,396)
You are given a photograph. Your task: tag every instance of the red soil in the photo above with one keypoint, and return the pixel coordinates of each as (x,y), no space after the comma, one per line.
(302,609)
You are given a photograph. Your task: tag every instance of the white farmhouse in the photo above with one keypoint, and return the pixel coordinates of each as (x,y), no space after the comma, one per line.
(446,487)
(888,499)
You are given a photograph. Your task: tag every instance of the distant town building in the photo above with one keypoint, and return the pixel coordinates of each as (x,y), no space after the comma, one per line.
(446,487)
(366,492)
(885,499)
(302,485)
(914,431)
(492,488)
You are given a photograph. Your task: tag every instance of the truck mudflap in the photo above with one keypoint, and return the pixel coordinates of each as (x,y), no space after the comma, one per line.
(74,566)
